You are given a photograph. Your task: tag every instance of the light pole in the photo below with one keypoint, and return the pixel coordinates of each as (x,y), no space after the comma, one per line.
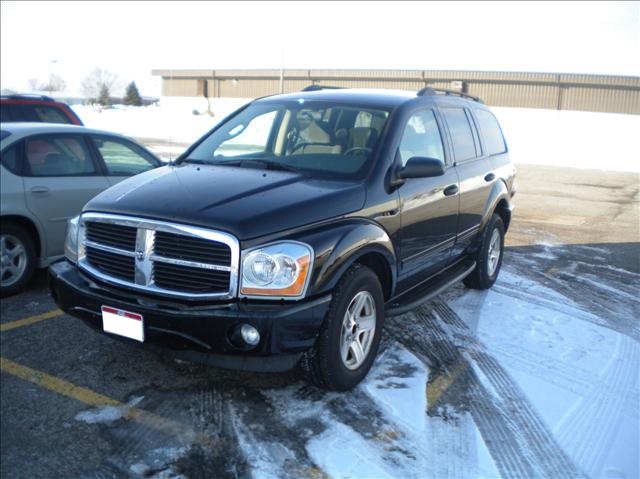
(51,62)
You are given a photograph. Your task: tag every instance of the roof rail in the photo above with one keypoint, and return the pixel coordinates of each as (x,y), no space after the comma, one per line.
(428,91)
(26,96)
(322,87)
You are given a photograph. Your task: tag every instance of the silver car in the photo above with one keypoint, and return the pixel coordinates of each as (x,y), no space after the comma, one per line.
(47,173)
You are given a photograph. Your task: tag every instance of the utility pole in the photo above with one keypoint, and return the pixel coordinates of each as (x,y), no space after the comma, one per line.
(51,62)
(282,70)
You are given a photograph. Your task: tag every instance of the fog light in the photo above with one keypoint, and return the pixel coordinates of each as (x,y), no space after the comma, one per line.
(250,335)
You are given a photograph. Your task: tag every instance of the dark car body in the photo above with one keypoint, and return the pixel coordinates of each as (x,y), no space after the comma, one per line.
(416,233)
(36,108)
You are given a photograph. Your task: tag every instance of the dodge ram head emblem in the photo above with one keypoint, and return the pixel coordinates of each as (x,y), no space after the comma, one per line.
(139,255)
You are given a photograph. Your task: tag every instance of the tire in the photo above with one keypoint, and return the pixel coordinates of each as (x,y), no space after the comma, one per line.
(487,266)
(324,365)
(17,253)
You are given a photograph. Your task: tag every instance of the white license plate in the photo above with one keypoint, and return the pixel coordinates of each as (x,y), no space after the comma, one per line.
(124,323)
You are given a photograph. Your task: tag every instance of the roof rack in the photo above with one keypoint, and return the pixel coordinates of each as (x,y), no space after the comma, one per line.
(26,96)
(428,91)
(322,87)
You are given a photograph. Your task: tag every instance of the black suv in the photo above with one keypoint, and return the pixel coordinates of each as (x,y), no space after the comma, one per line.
(291,230)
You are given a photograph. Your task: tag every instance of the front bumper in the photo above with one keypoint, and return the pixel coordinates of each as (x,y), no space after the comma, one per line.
(198,332)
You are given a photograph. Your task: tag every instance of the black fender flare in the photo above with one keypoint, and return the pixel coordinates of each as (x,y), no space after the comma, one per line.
(499,193)
(342,243)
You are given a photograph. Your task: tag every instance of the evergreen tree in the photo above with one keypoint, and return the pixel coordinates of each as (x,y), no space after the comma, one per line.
(132,96)
(104,99)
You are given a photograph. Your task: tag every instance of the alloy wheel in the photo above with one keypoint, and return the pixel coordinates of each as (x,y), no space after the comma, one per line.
(13,260)
(358,330)
(495,249)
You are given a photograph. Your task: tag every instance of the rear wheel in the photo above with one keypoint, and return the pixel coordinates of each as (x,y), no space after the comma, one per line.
(17,259)
(350,335)
(489,256)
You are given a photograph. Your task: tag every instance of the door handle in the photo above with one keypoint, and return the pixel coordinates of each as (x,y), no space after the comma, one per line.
(450,190)
(489,177)
(40,190)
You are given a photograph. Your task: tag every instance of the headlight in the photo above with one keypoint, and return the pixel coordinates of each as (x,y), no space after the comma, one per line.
(279,269)
(71,240)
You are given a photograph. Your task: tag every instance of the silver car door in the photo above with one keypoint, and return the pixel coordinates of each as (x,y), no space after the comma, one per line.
(60,176)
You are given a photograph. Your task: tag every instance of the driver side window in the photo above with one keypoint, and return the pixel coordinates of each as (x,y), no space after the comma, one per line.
(250,138)
(421,137)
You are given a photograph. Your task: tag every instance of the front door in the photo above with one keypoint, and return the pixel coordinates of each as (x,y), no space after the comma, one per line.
(429,206)
(60,177)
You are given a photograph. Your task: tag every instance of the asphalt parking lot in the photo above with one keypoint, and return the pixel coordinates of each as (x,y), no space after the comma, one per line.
(538,377)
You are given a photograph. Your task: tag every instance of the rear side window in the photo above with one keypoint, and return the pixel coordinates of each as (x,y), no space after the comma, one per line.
(34,113)
(121,159)
(464,147)
(58,156)
(491,132)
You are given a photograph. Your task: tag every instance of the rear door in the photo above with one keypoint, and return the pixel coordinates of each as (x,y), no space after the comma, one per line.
(472,168)
(122,158)
(60,176)
(429,206)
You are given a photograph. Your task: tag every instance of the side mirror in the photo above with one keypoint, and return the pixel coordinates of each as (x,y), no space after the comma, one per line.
(421,167)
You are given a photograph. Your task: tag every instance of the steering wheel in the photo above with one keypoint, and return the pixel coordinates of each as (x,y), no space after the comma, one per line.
(358,151)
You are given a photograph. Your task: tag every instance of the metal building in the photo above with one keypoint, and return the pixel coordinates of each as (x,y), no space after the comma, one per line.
(562,91)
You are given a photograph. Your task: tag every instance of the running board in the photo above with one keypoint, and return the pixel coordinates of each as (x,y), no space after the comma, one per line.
(430,288)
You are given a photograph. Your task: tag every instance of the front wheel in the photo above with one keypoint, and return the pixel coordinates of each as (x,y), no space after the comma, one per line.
(348,341)
(489,256)
(17,259)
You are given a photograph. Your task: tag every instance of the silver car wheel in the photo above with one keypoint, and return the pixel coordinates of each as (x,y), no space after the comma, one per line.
(495,250)
(13,260)
(358,330)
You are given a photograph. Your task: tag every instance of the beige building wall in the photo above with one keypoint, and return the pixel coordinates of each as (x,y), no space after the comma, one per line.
(600,93)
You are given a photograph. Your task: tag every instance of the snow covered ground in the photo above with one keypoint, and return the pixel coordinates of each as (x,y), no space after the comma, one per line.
(562,138)
(522,380)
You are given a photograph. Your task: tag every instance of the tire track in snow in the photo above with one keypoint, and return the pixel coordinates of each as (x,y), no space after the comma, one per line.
(429,342)
(570,377)
(593,423)
(517,439)
(616,315)
(536,437)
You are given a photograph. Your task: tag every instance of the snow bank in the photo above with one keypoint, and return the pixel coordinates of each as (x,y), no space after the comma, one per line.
(577,139)
(172,120)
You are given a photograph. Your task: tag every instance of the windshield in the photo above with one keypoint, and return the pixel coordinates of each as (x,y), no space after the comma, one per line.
(316,138)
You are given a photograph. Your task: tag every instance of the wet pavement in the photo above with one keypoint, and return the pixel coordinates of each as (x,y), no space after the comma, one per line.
(537,377)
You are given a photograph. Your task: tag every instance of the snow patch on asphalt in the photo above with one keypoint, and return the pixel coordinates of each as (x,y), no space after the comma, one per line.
(401,395)
(107,414)
(341,452)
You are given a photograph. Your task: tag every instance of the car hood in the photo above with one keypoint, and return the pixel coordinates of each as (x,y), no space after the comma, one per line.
(245,202)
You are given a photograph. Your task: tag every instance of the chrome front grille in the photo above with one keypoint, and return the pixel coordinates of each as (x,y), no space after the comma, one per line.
(159,257)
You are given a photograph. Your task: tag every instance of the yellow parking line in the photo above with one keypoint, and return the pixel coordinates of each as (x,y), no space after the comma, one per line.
(440,385)
(33,319)
(92,398)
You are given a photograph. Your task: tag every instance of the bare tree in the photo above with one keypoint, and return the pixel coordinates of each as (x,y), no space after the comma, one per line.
(34,84)
(93,83)
(56,83)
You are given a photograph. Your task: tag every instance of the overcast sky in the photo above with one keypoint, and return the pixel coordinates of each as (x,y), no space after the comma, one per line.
(131,38)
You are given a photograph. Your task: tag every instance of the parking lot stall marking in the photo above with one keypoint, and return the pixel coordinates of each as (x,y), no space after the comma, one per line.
(92,398)
(31,320)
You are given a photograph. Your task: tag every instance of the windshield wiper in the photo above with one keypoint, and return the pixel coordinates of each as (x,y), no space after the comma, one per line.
(267,164)
(195,161)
